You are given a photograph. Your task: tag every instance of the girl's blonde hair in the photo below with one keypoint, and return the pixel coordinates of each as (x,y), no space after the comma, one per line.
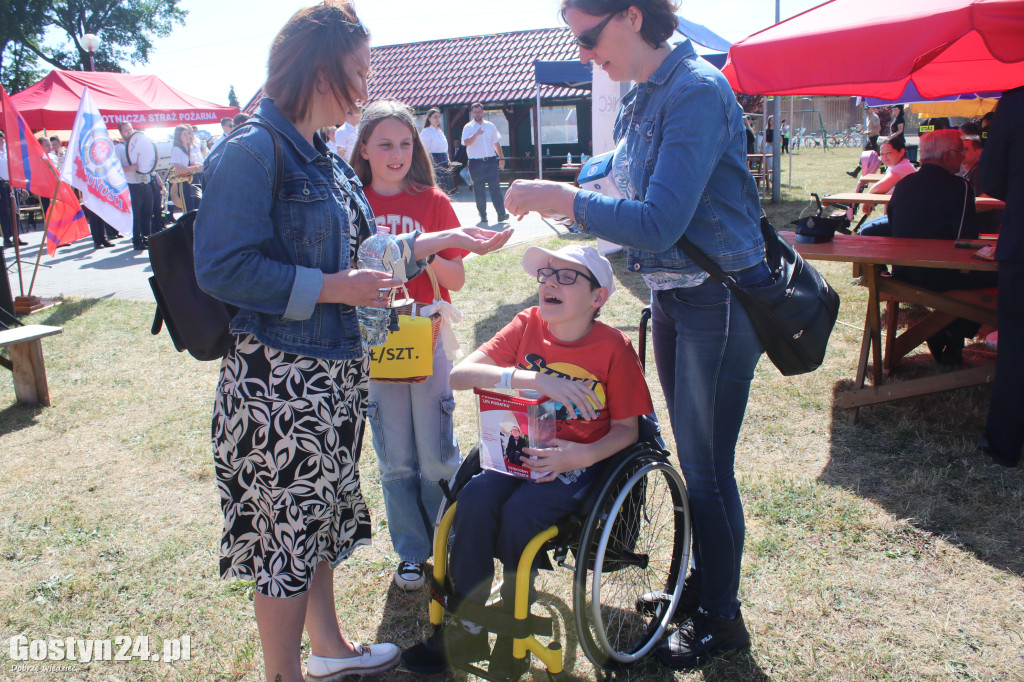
(421,172)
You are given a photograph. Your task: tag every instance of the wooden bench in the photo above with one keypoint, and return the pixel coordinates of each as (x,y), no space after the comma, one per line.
(979,305)
(31,214)
(26,363)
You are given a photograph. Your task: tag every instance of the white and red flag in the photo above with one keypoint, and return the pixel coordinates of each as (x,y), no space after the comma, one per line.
(91,166)
(30,169)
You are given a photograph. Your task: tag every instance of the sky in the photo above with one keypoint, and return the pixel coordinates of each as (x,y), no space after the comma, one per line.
(226,43)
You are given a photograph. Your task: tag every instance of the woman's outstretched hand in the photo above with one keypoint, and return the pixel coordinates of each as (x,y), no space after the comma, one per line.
(550,199)
(478,240)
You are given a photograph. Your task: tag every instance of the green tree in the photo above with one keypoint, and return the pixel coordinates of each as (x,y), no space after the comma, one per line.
(18,68)
(18,18)
(126,29)
(232,97)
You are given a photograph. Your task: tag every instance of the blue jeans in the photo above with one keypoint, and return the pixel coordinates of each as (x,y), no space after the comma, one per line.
(876,227)
(496,517)
(416,447)
(485,173)
(706,350)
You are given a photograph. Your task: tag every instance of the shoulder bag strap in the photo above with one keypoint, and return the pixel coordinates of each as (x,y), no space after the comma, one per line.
(278,154)
(711,267)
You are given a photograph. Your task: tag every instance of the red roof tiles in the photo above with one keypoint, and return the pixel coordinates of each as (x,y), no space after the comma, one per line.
(452,71)
(494,68)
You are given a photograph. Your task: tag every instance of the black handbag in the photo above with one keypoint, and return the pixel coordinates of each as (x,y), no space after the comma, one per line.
(196,321)
(794,315)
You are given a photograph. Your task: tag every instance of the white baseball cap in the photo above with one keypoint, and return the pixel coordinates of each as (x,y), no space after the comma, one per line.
(535,258)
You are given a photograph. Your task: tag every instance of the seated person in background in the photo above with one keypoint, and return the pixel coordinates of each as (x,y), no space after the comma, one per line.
(986,221)
(559,349)
(893,152)
(935,203)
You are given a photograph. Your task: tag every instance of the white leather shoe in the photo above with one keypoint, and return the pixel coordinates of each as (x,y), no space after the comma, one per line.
(373,658)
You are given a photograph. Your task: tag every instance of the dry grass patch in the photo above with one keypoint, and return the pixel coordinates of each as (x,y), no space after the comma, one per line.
(886,550)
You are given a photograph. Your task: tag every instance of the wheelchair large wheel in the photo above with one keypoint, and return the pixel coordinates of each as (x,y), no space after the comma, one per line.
(635,540)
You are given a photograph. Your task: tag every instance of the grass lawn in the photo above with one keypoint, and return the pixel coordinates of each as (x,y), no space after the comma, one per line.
(889,549)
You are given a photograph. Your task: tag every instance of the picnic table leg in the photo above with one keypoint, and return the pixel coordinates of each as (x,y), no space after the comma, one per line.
(29,373)
(871,337)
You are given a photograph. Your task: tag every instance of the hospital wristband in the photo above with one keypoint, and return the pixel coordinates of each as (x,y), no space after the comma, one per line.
(506,378)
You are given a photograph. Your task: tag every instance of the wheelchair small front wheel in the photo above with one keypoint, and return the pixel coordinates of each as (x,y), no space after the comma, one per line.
(636,540)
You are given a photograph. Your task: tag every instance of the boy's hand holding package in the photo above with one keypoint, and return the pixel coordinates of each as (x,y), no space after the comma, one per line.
(559,458)
(578,398)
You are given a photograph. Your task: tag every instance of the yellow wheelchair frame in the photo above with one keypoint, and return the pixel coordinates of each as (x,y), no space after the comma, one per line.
(596,535)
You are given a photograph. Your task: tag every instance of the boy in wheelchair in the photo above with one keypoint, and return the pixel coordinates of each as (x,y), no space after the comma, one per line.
(559,349)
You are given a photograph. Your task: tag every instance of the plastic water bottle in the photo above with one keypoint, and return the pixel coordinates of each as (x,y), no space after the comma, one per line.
(379,252)
(568,157)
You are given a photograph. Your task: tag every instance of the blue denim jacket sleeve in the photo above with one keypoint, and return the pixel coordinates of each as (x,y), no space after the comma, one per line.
(685,154)
(693,139)
(232,231)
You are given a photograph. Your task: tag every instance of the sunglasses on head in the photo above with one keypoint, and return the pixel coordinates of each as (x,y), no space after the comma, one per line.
(564,276)
(588,39)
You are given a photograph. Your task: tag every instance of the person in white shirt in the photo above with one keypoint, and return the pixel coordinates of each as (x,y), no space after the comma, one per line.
(184,193)
(330,136)
(346,134)
(436,142)
(138,189)
(486,160)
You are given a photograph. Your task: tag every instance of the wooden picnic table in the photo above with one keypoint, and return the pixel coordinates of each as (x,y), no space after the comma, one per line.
(26,363)
(872,254)
(980,203)
(869,179)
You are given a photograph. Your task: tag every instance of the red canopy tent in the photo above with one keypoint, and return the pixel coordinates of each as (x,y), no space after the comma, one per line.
(143,101)
(844,47)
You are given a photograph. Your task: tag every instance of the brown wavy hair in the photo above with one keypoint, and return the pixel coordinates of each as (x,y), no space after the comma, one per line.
(314,42)
(426,121)
(421,171)
(660,20)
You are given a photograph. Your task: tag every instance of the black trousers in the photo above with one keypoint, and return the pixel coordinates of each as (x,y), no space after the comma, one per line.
(1005,428)
(6,222)
(142,211)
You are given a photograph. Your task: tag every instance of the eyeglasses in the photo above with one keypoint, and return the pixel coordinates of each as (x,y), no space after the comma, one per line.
(588,39)
(564,276)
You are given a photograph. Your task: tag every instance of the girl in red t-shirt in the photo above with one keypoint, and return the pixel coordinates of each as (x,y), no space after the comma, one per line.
(411,424)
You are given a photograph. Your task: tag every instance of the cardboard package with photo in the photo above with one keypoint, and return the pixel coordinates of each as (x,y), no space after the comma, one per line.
(509,422)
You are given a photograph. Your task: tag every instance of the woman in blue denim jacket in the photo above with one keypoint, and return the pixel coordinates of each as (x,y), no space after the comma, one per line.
(681,165)
(291,398)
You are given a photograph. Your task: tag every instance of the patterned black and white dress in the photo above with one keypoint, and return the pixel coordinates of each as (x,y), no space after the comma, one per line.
(286,433)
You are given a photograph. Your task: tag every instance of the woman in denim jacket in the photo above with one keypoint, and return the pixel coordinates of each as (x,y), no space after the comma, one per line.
(681,166)
(291,399)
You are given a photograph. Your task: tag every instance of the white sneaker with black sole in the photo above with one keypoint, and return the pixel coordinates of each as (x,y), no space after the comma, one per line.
(410,575)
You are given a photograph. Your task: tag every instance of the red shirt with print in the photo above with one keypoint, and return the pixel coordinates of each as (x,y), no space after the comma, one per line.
(604,359)
(428,211)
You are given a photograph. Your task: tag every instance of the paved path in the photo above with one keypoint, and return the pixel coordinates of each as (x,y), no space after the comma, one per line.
(121,272)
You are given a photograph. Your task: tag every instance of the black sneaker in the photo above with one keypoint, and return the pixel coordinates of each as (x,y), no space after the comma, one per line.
(689,601)
(448,646)
(700,638)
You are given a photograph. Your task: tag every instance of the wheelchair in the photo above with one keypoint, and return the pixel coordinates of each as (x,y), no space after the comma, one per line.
(629,537)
